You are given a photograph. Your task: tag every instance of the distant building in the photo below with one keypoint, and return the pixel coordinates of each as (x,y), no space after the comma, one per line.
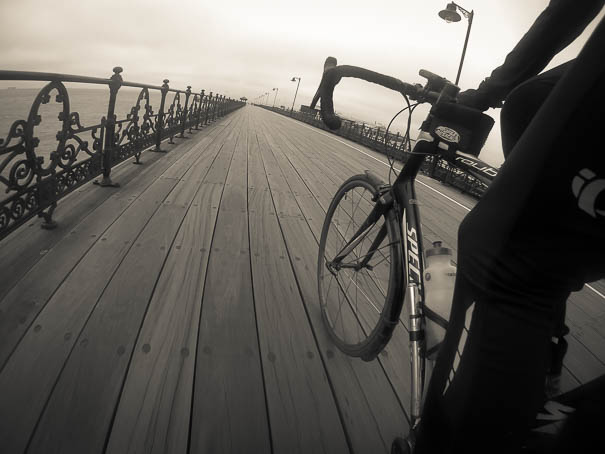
(307,109)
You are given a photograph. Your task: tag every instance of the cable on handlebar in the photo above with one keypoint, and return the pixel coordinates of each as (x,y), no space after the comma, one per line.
(406,137)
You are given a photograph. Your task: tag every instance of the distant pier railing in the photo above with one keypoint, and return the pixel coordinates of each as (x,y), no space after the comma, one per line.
(394,145)
(33,184)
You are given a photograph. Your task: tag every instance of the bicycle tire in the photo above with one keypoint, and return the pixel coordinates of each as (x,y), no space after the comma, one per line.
(381,287)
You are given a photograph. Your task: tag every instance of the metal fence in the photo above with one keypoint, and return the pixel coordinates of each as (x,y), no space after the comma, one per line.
(33,184)
(395,146)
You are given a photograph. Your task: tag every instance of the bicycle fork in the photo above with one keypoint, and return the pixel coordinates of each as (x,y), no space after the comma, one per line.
(416,331)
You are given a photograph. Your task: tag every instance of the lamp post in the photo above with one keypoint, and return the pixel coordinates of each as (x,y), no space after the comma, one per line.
(294,79)
(267,100)
(276,90)
(450,14)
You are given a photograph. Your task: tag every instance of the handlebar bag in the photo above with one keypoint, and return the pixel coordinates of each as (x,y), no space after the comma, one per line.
(461,127)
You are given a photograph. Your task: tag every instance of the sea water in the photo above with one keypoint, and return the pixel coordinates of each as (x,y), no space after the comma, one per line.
(90,103)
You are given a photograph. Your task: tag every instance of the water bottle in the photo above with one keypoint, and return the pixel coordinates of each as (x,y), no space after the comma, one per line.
(439,280)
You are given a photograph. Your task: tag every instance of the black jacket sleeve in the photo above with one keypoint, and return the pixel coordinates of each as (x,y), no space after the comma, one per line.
(556,27)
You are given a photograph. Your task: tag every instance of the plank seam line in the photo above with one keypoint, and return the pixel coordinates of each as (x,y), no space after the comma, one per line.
(397,170)
(329,379)
(380,359)
(192,404)
(132,353)
(146,150)
(382,366)
(58,378)
(8,357)
(7,292)
(260,356)
(331,136)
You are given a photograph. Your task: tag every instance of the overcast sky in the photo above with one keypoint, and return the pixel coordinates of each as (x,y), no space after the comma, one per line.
(247,47)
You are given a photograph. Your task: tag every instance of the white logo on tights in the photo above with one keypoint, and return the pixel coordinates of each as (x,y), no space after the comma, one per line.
(587,188)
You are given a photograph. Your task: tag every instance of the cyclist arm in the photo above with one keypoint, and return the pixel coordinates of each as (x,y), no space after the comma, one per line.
(559,24)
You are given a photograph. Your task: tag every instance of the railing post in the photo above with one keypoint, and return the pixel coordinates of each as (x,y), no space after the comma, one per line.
(184,119)
(208,103)
(193,114)
(376,138)
(200,108)
(387,143)
(433,167)
(214,107)
(110,127)
(160,123)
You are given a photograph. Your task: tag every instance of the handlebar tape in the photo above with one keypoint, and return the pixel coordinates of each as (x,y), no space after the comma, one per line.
(332,75)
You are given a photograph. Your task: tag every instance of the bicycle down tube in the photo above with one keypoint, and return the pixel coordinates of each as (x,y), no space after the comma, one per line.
(405,195)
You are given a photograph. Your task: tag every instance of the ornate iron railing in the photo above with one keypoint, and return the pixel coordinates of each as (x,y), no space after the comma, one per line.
(33,187)
(395,146)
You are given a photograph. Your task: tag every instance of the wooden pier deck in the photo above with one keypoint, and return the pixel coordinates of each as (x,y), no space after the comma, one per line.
(178,313)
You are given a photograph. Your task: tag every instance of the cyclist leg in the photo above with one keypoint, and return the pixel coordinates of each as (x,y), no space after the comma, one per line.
(518,282)
(520,107)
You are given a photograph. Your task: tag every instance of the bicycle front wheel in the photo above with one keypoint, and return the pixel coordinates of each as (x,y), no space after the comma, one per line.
(359,272)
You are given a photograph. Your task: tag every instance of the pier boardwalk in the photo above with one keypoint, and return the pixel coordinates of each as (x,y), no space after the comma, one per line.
(179,312)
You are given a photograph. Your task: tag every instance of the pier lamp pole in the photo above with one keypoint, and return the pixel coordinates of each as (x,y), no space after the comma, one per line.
(450,14)
(294,79)
(267,100)
(276,90)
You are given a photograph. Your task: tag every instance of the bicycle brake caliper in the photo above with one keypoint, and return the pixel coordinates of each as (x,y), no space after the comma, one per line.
(383,195)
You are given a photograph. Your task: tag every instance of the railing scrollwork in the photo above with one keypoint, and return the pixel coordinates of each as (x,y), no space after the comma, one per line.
(34,181)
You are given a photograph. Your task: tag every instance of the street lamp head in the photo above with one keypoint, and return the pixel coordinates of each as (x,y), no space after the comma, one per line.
(294,79)
(449,14)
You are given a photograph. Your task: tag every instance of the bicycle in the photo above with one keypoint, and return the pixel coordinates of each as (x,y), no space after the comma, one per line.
(371,256)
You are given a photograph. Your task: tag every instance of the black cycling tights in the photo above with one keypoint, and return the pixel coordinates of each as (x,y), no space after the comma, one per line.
(497,387)
(521,251)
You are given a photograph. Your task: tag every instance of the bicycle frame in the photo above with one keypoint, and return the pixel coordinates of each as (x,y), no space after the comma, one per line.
(401,197)
(411,236)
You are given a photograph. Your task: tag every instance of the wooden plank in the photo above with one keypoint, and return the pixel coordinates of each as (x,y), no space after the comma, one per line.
(599,286)
(395,358)
(22,249)
(586,328)
(337,162)
(582,363)
(24,301)
(228,410)
(370,410)
(302,410)
(92,379)
(30,373)
(154,410)
(32,370)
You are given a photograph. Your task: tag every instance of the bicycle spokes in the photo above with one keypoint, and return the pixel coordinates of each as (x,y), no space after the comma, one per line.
(356,267)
